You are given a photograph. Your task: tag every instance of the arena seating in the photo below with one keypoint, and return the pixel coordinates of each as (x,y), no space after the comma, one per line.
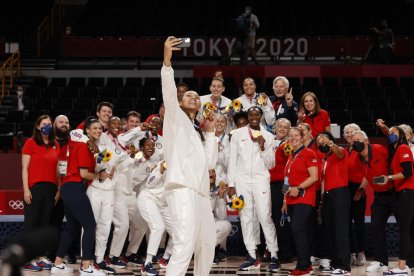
(347,99)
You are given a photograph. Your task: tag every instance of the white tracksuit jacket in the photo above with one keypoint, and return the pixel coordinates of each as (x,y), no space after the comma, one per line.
(249,173)
(187,185)
(269,116)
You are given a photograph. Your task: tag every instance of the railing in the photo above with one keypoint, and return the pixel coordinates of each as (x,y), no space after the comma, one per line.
(48,25)
(8,67)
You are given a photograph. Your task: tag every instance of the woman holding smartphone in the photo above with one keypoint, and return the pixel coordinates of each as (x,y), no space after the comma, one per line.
(301,173)
(401,176)
(189,154)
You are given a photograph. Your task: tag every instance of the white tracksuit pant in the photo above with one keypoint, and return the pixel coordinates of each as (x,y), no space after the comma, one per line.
(102,202)
(223,229)
(126,215)
(158,217)
(194,232)
(257,199)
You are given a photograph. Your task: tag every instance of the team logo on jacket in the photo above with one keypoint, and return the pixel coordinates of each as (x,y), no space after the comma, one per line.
(151,179)
(117,151)
(148,169)
(158,145)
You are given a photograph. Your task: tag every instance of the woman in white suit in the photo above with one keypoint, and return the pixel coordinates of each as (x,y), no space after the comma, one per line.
(189,155)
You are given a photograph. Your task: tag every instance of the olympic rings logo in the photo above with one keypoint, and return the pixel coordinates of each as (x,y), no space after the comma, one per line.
(234,230)
(16,204)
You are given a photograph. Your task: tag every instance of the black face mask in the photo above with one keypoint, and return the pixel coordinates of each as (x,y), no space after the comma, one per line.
(358,146)
(324,149)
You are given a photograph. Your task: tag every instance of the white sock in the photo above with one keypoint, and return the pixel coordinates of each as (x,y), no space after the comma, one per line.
(273,254)
(148,259)
(166,256)
(99,260)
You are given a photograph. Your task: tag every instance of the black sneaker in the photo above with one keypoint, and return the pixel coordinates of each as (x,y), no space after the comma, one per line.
(216,260)
(72,259)
(117,263)
(106,268)
(135,260)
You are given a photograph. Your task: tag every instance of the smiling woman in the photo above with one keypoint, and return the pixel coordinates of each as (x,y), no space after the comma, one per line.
(251,157)
(189,156)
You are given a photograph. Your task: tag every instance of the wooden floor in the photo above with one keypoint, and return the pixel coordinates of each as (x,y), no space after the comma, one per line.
(229,267)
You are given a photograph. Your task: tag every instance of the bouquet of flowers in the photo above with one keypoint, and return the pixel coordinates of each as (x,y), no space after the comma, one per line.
(237,202)
(208,108)
(234,107)
(103,156)
(287,149)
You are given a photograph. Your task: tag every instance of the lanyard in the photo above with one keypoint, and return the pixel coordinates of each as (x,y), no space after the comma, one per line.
(153,138)
(222,138)
(251,134)
(116,142)
(293,159)
(214,103)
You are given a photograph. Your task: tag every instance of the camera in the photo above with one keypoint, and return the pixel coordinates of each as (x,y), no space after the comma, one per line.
(185,42)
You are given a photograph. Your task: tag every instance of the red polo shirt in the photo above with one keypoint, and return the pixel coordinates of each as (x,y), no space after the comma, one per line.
(297,171)
(43,162)
(376,166)
(277,172)
(336,171)
(403,154)
(319,122)
(320,157)
(79,158)
(355,174)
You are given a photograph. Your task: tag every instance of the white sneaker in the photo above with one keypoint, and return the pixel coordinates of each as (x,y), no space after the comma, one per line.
(324,262)
(340,272)
(360,261)
(353,259)
(397,271)
(315,261)
(91,271)
(61,269)
(376,267)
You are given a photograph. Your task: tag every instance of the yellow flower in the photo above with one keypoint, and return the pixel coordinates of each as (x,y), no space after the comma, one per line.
(228,108)
(206,112)
(237,203)
(287,149)
(236,104)
(209,106)
(107,156)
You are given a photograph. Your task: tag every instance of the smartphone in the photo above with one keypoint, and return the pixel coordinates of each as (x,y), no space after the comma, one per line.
(185,42)
(379,180)
(301,193)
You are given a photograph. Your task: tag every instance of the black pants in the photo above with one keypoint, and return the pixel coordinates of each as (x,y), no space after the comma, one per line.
(357,215)
(38,213)
(300,215)
(283,233)
(57,219)
(316,228)
(335,220)
(79,214)
(384,205)
(405,220)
